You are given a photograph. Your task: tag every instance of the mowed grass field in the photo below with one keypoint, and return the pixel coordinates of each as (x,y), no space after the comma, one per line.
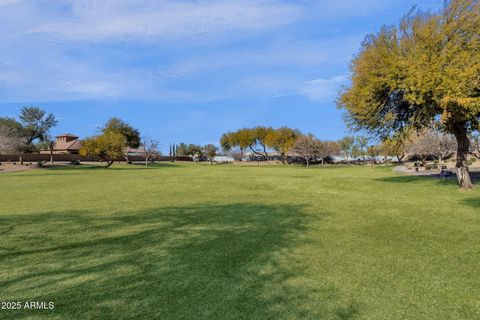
(186,241)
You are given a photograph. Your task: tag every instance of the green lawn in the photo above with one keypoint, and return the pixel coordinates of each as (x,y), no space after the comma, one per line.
(185,241)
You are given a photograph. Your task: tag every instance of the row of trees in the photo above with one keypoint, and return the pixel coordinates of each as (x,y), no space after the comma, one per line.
(259,139)
(32,134)
(286,141)
(430,142)
(195,151)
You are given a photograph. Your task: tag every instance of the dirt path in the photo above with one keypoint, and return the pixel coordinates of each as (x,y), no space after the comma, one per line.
(6,168)
(474,172)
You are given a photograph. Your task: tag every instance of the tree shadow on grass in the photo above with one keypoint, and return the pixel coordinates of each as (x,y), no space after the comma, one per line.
(472,202)
(413,179)
(114,167)
(199,262)
(81,169)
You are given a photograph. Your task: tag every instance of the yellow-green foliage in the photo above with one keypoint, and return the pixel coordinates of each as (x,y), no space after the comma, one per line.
(428,66)
(108,146)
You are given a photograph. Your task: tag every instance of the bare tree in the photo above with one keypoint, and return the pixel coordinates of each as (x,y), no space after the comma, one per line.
(475,145)
(441,144)
(433,142)
(210,151)
(150,149)
(327,149)
(10,140)
(416,146)
(306,147)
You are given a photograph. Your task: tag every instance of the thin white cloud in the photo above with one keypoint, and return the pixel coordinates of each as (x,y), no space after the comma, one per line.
(291,52)
(87,49)
(93,20)
(363,8)
(323,89)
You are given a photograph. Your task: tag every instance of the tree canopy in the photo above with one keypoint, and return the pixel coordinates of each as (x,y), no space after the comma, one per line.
(130,134)
(107,146)
(282,140)
(36,124)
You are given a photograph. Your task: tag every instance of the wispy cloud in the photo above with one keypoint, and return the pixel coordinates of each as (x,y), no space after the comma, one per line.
(172,51)
(324,89)
(92,20)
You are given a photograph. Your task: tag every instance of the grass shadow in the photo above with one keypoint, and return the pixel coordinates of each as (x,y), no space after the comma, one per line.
(198,262)
(404,179)
(472,202)
(80,169)
(114,167)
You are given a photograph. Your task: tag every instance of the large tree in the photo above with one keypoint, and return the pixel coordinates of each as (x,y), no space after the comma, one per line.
(36,125)
(108,146)
(426,69)
(11,138)
(241,140)
(130,135)
(260,135)
(282,140)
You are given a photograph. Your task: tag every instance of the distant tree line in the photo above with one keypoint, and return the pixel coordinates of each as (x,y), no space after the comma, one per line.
(30,134)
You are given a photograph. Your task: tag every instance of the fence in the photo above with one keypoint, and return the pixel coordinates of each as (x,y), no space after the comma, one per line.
(35,157)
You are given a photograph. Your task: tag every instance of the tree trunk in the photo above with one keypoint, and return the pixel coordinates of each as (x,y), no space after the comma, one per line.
(307,161)
(50,147)
(146,162)
(265,151)
(323,161)
(20,159)
(463,174)
(256,152)
(109,164)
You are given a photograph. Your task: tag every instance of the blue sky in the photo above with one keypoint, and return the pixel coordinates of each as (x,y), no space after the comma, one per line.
(186,71)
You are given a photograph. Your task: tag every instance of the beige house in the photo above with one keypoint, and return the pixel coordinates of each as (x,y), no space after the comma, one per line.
(66,144)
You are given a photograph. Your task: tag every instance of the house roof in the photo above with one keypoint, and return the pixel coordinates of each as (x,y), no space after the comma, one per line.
(70,145)
(68,135)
